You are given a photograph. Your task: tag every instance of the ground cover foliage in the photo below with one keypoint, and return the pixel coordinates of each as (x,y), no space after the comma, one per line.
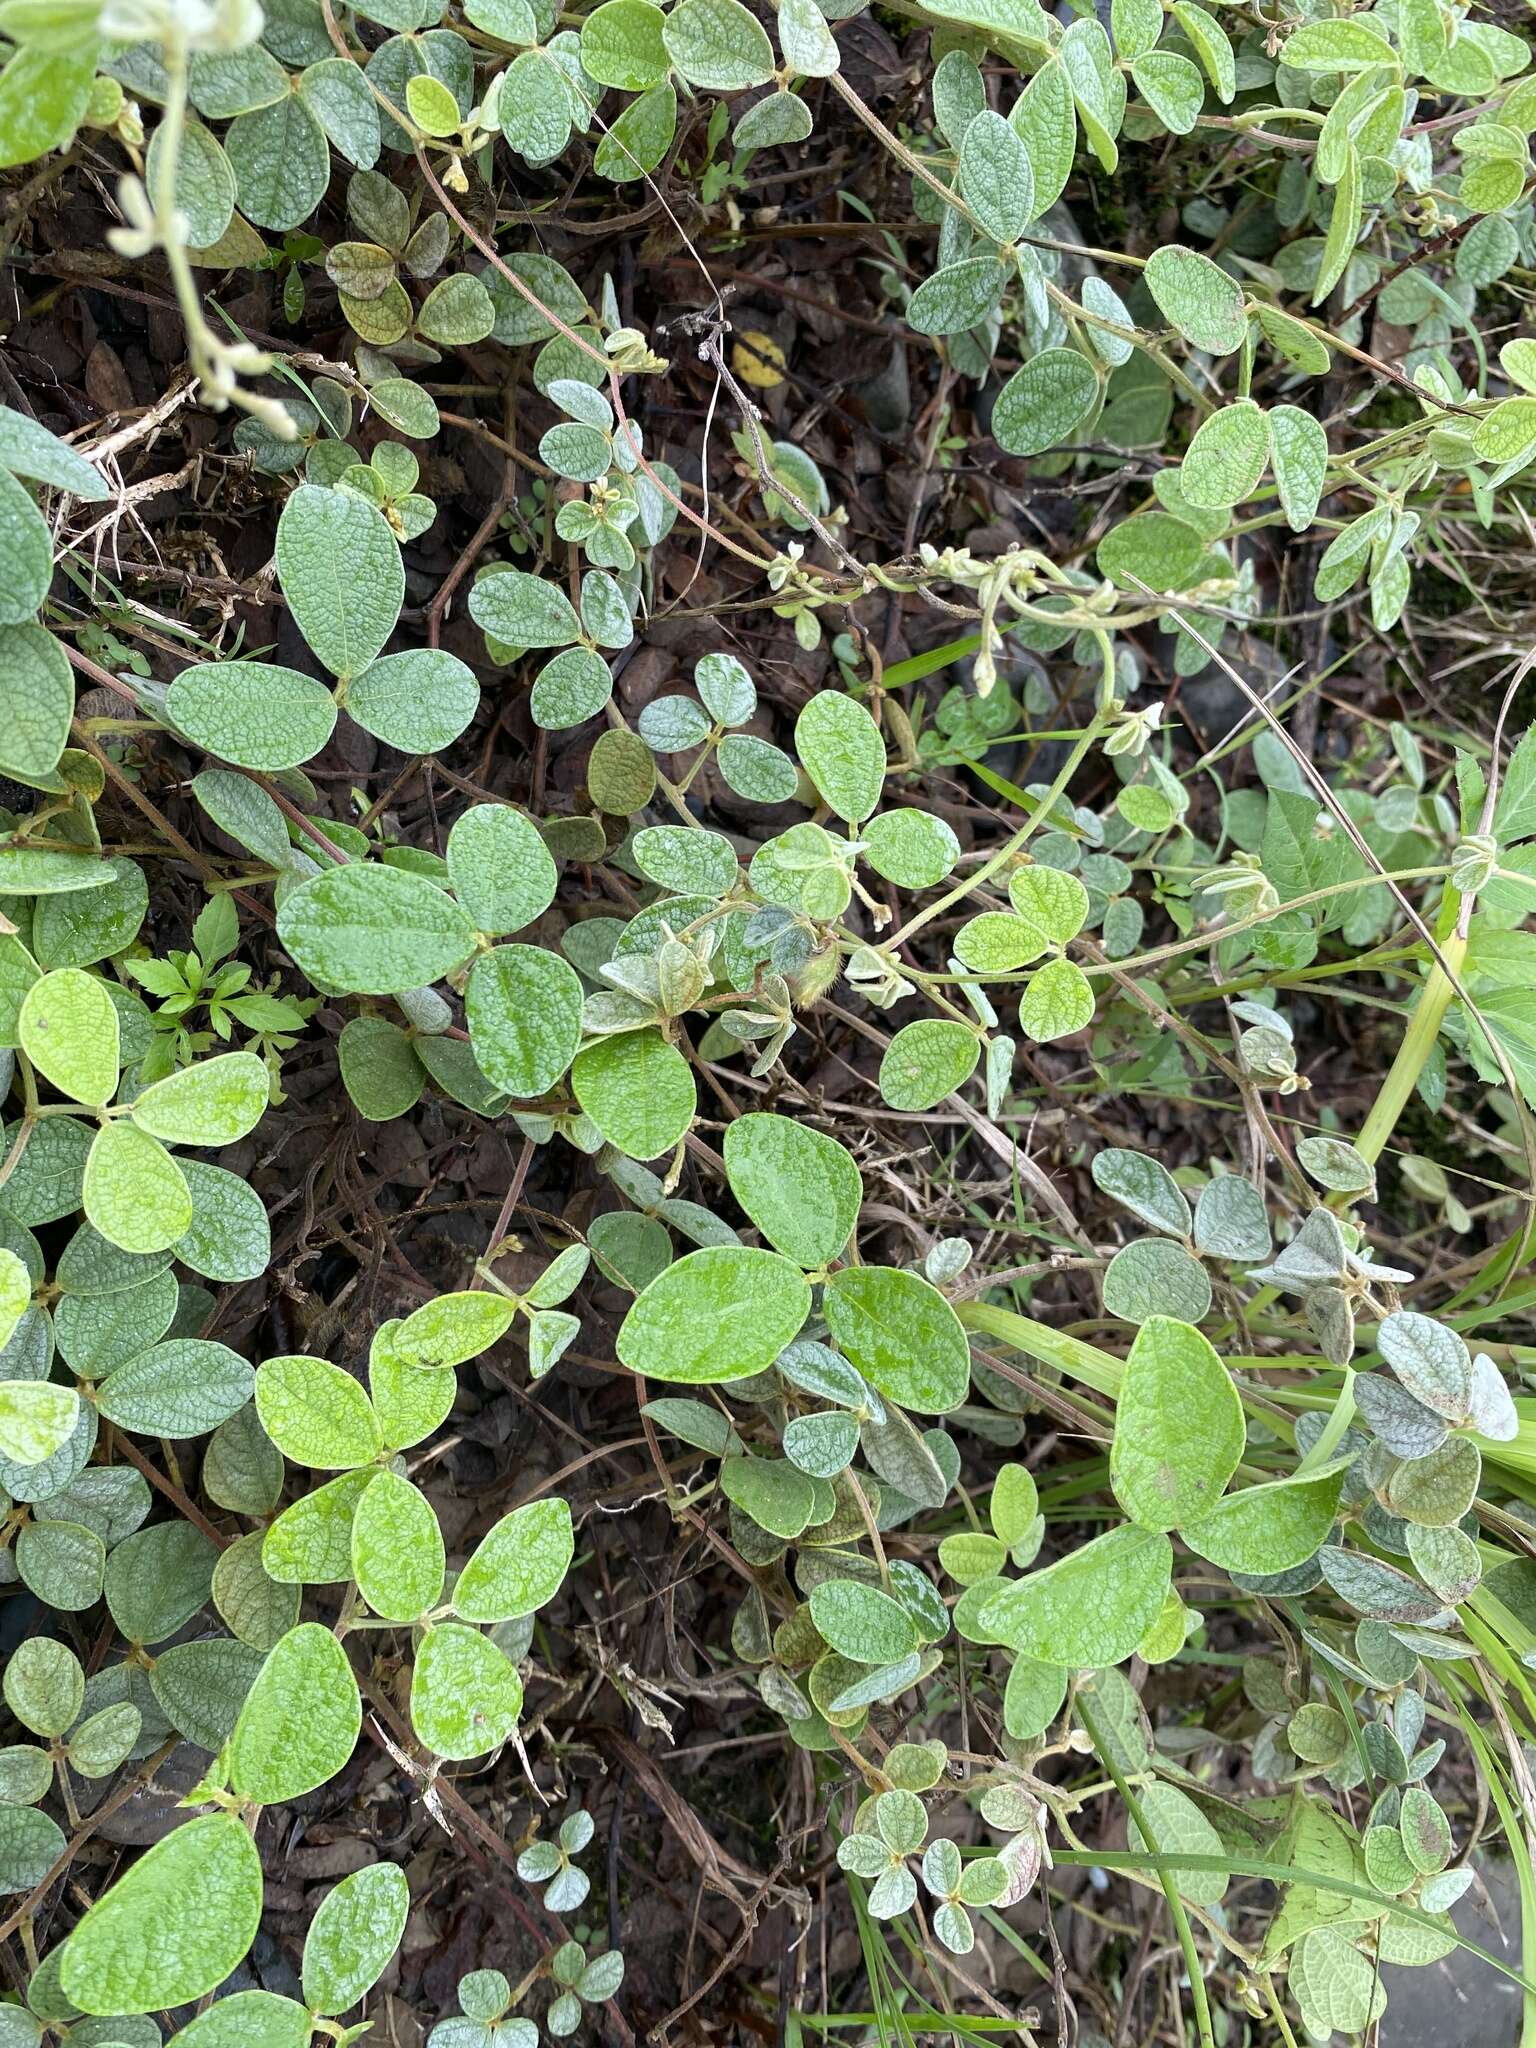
(766,1019)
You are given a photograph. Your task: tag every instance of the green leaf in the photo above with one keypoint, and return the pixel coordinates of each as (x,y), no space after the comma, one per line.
(1294,340)
(1431,1361)
(1057,1001)
(458,311)
(1227,456)
(926,1061)
(1343,223)
(719,1314)
(1045,402)
(640,137)
(374,930)
(341,573)
(30,1845)
(44,1685)
(300,1721)
(336,93)
(771,1492)
(523,610)
(1179,1431)
(43,96)
(204,181)
(638,1090)
(158,1578)
(26,546)
(840,748)
(800,1188)
(97,1332)
(15,1294)
(252,712)
(465,1693)
(174,1927)
(419,701)
(1051,902)
(1046,123)
(40,695)
(1152,1277)
(1299,454)
(519,1565)
(1172,87)
(621,775)
(717,44)
(200,1687)
(1197,297)
(248,2019)
(397,1549)
(380,1069)
(910,848)
(446,1332)
(901,1334)
(1338,47)
(134,1191)
(500,868)
(27,449)
(36,1419)
(68,1029)
(1271,1528)
(1091,1608)
(310,1543)
(1336,1987)
(1135,26)
(1211,45)
(1177,1827)
(862,1623)
(89,925)
(621,45)
(179,1389)
(410,1401)
(230,1239)
(282,166)
(256,1609)
(353,1936)
(959,296)
(690,862)
(214,1103)
(316,1414)
(808,44)
(996,176)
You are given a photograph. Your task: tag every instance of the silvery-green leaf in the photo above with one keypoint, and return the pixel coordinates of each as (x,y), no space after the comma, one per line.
(1490,1411)
(1398,1419)
(717,44)
(1045,403)
(1144,1186)
(1227,456)
(1431,1361)
(1197,297)
(959,296)
(1379,1591)
(996,176)
(1314,1257)
(340,569)
(1230,1220)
